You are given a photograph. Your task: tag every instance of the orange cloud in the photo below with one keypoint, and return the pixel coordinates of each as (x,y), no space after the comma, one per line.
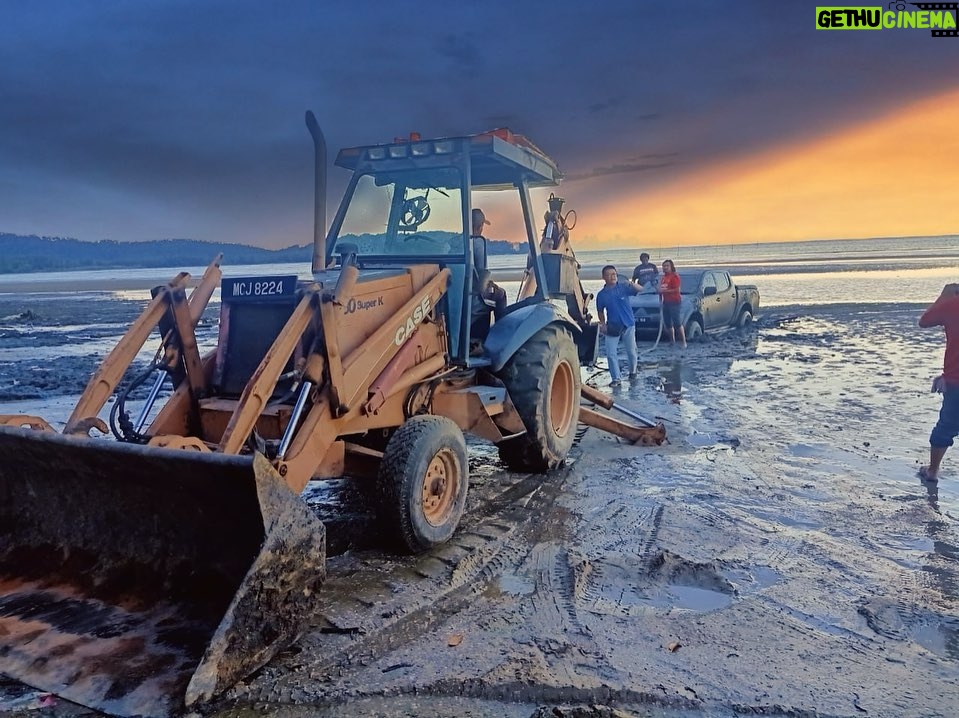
(894,176)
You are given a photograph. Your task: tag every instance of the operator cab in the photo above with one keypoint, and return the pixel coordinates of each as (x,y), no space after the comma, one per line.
(409,202)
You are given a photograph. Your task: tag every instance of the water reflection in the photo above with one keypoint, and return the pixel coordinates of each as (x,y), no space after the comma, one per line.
(671,380)
(941,634)
(701,363)
(932,493)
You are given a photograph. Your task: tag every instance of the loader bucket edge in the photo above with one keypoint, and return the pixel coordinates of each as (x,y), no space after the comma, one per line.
(278,595)
(135,579)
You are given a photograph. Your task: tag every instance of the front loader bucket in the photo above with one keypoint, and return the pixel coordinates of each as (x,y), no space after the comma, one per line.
(139,581)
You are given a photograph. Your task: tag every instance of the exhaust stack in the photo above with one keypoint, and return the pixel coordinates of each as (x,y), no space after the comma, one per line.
(319,193)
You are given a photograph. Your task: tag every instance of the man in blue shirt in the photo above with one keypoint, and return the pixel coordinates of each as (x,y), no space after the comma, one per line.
(616,321)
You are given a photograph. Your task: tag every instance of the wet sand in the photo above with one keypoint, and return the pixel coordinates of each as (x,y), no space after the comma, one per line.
(777,557)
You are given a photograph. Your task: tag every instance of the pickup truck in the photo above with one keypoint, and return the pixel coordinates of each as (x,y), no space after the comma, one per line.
(711,302)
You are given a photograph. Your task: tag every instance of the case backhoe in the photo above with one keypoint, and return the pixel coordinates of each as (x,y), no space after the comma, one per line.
(144,575)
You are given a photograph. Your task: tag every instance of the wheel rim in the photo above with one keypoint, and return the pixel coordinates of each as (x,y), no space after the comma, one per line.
(561,398)
(440,486)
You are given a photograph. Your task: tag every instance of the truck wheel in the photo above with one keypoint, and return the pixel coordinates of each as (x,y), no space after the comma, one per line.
(745,319)
(543,381)
(694,331)
(423,478)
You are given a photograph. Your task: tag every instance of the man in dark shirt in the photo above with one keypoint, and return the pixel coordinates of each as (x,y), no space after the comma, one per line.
(944,313)
(645,272)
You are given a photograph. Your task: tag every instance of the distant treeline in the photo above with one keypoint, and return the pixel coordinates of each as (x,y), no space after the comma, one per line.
(50,254)
(20,254)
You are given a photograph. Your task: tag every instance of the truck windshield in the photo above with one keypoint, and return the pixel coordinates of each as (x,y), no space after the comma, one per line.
(418,212)
(689,282)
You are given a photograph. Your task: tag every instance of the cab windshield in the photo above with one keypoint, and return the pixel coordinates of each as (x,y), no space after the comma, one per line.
(689,282)
(412,213)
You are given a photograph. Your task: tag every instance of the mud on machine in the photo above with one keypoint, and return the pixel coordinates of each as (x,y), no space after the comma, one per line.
(147,574)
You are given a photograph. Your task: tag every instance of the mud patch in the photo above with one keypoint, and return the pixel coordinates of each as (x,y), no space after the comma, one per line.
(620,585)
(52,343)
(804,571)
(900,621)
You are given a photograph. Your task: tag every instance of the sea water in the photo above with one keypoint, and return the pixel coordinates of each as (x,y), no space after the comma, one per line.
(903,269)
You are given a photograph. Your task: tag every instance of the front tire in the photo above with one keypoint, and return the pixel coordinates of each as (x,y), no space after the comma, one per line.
(543,381)
(423,478)
(694,331)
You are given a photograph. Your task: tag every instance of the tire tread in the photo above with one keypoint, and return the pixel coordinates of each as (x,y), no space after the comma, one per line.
(527,380)
(393,477)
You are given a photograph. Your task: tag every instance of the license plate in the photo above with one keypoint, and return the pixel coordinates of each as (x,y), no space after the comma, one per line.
(252,289)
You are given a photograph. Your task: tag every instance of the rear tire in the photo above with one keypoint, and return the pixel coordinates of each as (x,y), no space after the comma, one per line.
(745,321)
(543,381)
(694,331)
(423,478)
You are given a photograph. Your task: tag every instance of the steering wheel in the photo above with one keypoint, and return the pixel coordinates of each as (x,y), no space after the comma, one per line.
(415,211)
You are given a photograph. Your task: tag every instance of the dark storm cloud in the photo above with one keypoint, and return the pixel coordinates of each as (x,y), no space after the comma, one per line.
(609,104)
(641,164)
(466,57)
(138,120)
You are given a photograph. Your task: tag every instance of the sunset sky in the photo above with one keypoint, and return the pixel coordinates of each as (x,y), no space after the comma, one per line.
(675,122)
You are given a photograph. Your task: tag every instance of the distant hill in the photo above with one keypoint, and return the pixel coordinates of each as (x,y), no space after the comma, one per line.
(20,254)
(49,254)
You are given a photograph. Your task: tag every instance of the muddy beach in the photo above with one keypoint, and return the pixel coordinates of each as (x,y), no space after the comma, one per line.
(777,557)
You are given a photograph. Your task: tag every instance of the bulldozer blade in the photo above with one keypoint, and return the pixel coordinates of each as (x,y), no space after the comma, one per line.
(140,581)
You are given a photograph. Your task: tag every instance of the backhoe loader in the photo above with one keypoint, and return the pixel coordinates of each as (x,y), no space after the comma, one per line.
(146,575)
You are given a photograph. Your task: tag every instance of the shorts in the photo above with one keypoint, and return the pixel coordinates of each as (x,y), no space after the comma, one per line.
(947,428)
(671,316)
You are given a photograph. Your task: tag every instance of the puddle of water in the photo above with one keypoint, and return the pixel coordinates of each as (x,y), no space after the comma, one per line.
(755,578)
(348,512)
(917,544)
(806,450)
(826,624)
(701,440)
(789,515)
(514,585)
(693,598)
(765,576)
(940,638)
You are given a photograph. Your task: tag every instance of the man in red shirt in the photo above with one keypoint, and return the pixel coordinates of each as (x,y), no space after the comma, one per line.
(944,312)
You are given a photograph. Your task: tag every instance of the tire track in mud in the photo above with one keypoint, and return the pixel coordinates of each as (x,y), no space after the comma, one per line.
(805,616)
(784,552)
(916,607)
(564,642)
(377,603)
(603,584)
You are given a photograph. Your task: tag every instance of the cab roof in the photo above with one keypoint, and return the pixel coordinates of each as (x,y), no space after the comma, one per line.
(498,158)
